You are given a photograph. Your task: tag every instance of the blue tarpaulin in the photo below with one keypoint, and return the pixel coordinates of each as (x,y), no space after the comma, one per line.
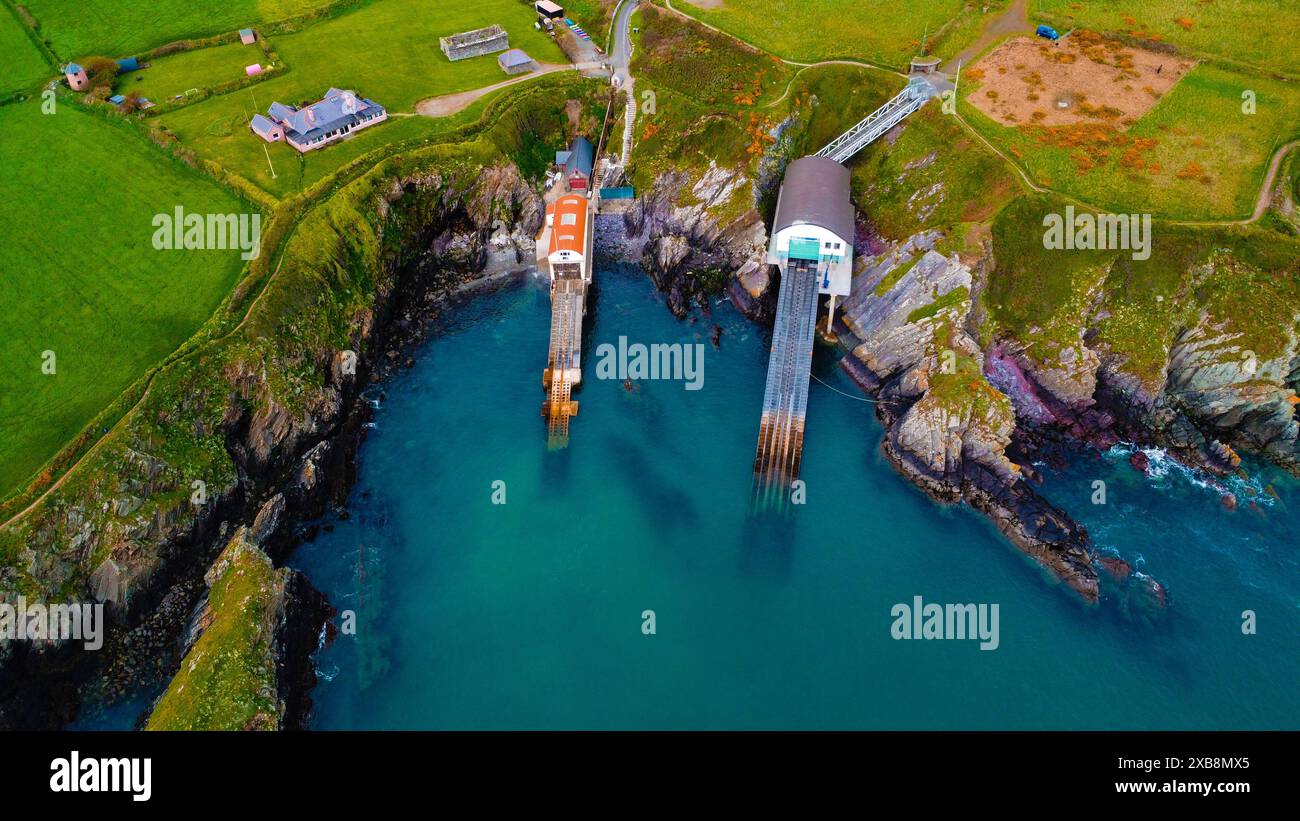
(128,64)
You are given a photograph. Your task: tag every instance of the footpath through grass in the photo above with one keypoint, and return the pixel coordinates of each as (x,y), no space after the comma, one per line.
(83,280)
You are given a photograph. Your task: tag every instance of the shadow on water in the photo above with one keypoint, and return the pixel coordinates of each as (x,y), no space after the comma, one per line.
(655,493)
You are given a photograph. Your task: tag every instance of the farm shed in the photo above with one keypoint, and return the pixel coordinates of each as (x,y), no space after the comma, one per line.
(247,36)
(487,40)
(516,61)
(128,64)
(548,10)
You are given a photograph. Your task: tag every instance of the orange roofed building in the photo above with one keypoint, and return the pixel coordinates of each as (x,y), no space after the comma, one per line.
(569,221)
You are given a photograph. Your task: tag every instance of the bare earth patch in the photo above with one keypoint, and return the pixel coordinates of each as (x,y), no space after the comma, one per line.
(706,4)
(1028,80)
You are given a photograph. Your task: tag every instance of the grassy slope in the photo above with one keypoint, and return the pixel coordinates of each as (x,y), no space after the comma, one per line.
(882,31)
(933,175)
(712,100)
(1259,32)
(88,283)
(21,64)
(122,27)
(227,679)
(1247,279)
(341,52)
(1200,121)
(594,16)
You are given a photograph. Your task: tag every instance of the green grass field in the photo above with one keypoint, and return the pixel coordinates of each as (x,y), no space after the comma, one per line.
(1196,155)
(882,31)
(199,68)
(387,51)
(84,280)
(118,28)
(21,63)
(1259,32)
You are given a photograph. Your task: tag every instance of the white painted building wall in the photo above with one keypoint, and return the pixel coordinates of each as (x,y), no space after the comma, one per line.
(836,264)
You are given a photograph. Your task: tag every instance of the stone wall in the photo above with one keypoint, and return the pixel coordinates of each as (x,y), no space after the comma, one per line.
(474,43)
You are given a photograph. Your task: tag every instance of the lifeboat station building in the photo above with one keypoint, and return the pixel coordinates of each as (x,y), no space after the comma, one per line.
(814,223)
(568,220)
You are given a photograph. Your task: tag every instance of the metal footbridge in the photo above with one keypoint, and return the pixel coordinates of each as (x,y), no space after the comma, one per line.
(811,243)
(875,124)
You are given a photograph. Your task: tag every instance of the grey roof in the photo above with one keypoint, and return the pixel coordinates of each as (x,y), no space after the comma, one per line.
(816,190)
(514,57)
(261,124)
(581,157)
(338,109)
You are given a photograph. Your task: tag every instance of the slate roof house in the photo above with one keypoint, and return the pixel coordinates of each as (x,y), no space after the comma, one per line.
(577,163)
(319,124)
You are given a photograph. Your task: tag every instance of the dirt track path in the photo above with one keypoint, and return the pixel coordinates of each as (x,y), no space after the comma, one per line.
(449,104)
(1014,19)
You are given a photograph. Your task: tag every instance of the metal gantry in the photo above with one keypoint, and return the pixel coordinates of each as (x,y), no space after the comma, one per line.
(878,122)
(785,398)
(568,298)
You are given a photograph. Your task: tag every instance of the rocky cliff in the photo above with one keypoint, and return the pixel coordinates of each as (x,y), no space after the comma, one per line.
(947,428)
(700,237)
(247,665)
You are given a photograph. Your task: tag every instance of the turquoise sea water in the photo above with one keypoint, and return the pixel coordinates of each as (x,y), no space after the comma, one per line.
(529,614)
